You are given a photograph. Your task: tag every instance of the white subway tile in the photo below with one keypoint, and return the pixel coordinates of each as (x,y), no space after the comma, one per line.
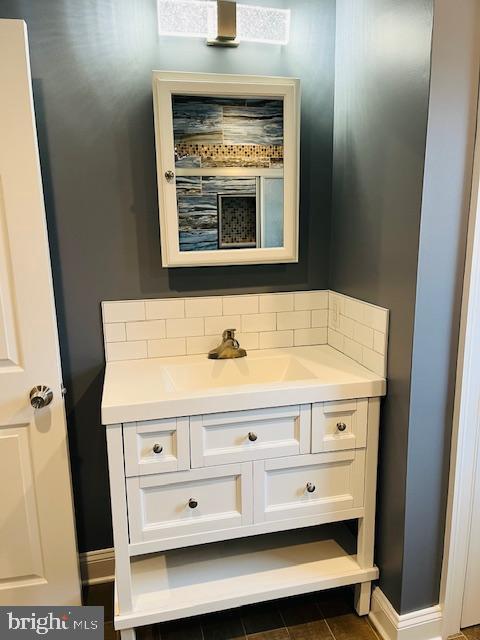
(363,335)
(146,330)
(353,309)
(115,332)
(184,327)
(276,339)
(294,320)
(276,302)
(306,300)
(375,317)
(379,342)
(165,308)
(126,350)
(352,349)
(336,301)
(320,318)
(201,344)
(217,325)
(249,341)
(346,326)
(234,305)
(167,347)
(335,340)
(259,322)
(333,319)
(373,361)
(310,336)
(127,311)
(201,307)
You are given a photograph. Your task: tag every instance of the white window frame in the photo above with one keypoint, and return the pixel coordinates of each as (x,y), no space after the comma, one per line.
(165,84)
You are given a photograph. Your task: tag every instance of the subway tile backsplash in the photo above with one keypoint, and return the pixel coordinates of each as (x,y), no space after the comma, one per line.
(359,330)
(178,326)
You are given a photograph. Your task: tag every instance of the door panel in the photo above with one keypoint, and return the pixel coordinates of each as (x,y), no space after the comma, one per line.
(471,598)
(38,555)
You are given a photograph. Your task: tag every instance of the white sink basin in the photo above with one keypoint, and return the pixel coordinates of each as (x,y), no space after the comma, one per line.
(240,371)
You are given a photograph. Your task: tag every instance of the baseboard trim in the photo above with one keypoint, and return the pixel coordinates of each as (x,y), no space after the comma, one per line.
(97,567)
(425,624)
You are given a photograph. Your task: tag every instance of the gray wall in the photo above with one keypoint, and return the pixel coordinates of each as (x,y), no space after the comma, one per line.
(91,66)
(402,246)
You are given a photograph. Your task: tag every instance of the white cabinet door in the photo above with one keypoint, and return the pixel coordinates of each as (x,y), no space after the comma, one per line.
(38,555)
(189,502)
(339,425)
(308,485)
(240,436)
(156,446)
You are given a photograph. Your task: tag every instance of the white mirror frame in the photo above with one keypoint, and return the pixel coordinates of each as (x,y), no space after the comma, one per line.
(167,83)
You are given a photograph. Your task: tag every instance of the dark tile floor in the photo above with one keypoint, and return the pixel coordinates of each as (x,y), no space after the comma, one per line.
(326,615)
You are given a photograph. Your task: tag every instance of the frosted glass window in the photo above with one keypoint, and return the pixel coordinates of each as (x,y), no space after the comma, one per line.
(272,212)
(198,18)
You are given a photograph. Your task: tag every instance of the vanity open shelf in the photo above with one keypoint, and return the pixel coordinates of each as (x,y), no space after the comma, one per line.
(226,495)
(187,582)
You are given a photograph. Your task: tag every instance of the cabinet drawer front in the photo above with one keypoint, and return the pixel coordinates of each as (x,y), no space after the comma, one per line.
(337,426)
(156,446)
(335,480)
(189,502)
(241,436)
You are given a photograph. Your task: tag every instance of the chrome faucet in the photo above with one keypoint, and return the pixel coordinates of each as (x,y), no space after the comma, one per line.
(229,348)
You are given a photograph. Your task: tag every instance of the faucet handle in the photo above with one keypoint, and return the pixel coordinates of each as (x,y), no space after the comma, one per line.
(228,334)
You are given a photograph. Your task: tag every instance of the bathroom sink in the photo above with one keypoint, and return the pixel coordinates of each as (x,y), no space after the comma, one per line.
(240,371)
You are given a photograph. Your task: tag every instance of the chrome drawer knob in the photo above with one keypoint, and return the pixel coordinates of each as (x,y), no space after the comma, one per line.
(169,175)
(341,426)
(310,487)
(252,436)
(157,448)
(192,503)
(40,396)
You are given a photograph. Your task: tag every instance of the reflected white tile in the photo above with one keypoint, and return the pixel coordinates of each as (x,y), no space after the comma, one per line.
(146,330)
(305,337)
(167,347)
(237,305)
(183,327)
(276,339)
(259,322)
(276,302)
(202,307)
(126,350)
(320,318)
(307,300)
(294,320)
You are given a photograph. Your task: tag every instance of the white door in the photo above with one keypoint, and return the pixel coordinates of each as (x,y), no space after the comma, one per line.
(471,598)
(38,555)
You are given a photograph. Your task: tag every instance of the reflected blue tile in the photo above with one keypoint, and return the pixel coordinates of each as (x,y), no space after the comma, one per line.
(195,120)
(188,185)
(228,185)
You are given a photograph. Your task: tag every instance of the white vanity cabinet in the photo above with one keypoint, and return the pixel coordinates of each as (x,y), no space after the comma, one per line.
(183,486)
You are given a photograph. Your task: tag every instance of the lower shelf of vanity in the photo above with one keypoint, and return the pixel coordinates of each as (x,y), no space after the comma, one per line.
(232,573)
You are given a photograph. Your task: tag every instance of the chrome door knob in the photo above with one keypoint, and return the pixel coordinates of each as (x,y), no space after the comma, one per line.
(40,396)
(252,436)
(169,176)
(157,448)
(341,426)
(193,503)
(310,487)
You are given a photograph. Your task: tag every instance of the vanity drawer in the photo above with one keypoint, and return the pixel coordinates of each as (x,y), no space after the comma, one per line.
(308,485)
(156,446)
(339,425)
(189,502)
(240,436)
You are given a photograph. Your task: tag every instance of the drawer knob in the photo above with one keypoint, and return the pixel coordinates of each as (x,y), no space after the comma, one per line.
(192,503)
(341,426)
(310,487)
(252,436)
(157,448)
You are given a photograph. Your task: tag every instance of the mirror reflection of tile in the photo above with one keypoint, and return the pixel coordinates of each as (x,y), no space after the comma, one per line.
(211,133)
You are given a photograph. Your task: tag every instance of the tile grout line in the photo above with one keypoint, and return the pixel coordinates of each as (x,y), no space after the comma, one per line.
(284,623)
(322,616)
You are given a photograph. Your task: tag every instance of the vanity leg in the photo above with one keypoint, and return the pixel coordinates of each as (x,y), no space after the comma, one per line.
(127,634)
(362,598)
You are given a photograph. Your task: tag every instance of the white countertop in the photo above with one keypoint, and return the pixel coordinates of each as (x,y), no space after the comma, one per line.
(144,389)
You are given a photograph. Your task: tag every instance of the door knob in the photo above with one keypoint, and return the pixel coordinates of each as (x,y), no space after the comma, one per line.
(169,175)
(40,396)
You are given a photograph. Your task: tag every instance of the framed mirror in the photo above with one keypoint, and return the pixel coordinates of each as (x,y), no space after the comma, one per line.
(228,168)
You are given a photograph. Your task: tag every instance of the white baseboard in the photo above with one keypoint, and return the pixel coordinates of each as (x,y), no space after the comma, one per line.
(425,624)
(97,567)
